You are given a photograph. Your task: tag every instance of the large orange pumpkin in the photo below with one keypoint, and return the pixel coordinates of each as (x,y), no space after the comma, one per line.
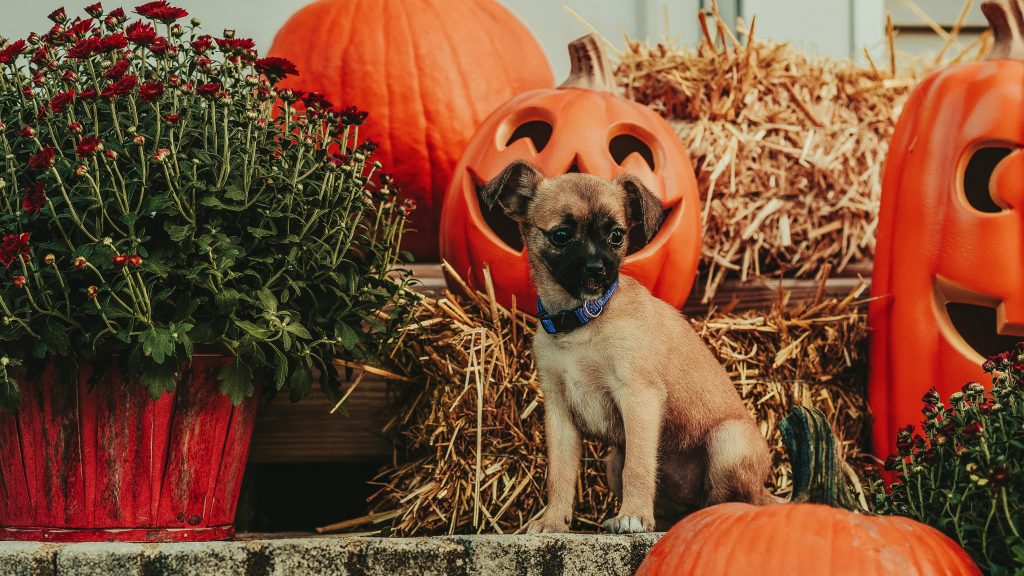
(816,535)
(428,72)
(581,126)
(949,262)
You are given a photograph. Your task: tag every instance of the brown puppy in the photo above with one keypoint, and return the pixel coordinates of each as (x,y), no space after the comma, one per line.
(635,375)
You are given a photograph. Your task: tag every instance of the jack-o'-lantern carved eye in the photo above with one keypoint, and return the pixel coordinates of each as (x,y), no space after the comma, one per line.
(536,131)
(978,176)
(623,145)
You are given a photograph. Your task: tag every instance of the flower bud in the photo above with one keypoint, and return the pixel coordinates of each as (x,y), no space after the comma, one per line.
(75,128)
(120,260)
(80,262)
(956,396)
(229,33)
(49,259)
(18,281)
(110,154)
(81,170)
(135,260)
(160,155)
(92,291)
(196,22)
(139,139)
(177,31)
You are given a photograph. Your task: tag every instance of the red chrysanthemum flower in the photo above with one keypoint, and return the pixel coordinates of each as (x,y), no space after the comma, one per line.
(162,11)
(116,72)
(88,95)
(12,247)
(172,119)
(78,29)
(974,429)
(111,43)
(161,47)
(202,43)
(120,88)
(276,68)
(353,116)
(34,197)
(151,91)
(12,51)
(209,90)
(59,15)
(317,100)
(27,132)
(88,146)
(236,45)
(141,33)
(59,103)
(42,160)
(94,10)
(84,48)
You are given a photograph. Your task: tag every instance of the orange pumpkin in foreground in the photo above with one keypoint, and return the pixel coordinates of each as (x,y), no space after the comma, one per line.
(427,71)
(583,126)
(949,263)
(815,536)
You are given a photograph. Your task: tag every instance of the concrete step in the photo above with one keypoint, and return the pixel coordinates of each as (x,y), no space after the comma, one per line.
(540,554)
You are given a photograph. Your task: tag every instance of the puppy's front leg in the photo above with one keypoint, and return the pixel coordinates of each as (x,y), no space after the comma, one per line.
(641,408)
(564,447)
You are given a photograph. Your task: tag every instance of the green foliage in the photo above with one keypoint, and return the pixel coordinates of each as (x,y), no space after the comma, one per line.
(160,193)
(965,476)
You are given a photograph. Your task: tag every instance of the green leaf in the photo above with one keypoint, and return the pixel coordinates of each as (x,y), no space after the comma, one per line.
(300,383)
(280,368)
(158,378)
(236,381)
(252,328)
(259,232)
(299,330)
(55,336)
(267,299)
(157,342)
(234,192)
(227,300)
(349,337)
(179,233)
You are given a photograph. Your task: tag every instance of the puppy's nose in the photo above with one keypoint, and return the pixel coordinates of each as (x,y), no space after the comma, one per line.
(594,266)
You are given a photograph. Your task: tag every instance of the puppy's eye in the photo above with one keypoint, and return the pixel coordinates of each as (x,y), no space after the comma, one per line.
(617,237)
(560,236)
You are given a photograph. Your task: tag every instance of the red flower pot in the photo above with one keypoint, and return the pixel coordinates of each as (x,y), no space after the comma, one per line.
(111,464)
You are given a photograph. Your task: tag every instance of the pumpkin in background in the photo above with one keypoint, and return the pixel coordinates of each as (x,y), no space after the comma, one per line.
(427,71)
(817,534)
(949,262)
(582,126)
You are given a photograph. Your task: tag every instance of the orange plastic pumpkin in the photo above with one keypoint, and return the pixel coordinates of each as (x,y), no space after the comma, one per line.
(427,71)
(818,534)
(949,262)
(581,126)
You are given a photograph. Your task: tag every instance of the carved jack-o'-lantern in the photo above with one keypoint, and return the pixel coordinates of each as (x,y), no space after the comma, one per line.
(581,126)
(949,264)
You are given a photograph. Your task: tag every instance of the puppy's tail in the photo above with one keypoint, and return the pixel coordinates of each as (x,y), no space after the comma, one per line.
(819,474)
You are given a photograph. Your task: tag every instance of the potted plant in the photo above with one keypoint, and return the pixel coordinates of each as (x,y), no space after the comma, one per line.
(173,235)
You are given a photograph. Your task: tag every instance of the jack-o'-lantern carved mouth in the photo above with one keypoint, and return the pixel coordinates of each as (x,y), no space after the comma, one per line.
(970,321)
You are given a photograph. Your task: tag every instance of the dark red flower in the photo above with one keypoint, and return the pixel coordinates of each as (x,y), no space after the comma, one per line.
(18,281)
(12,51)
(276,68)
(111,43)
(931,397)
(88,146)
(117,71)
(135,260)
(69,76)
(59,15)
(26,132)
(1000,476)
(367,147)
(115,18)
(352,116)
(141,33)
(34,197)
(236,45)
(408,206)
(202,43)
(78,29)
(203,62)
(94,10)
(162,48)
(172,119)
(84,48)
(893,462)
(60,101)
(209,90)
(42,160)
(12,247)
(120,259)
(88,95)
(75,127)
(151,91)
(316,100)
(974,429)
(119,89)
(162,11)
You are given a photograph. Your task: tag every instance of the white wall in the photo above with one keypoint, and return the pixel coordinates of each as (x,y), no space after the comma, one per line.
(823,25)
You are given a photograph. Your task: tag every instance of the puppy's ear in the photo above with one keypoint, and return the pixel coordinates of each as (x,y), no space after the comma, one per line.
(513,189)
(642,207)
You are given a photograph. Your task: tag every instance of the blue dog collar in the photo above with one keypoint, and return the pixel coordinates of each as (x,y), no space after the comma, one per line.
(569,320)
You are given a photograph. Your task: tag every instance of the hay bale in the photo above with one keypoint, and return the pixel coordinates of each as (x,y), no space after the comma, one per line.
(788,149)
(474,457)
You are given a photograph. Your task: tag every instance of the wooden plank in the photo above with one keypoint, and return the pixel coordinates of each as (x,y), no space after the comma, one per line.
(306,431)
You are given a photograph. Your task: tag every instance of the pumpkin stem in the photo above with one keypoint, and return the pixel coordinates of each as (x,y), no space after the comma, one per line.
(1006,18)
(811,446)
(590,69)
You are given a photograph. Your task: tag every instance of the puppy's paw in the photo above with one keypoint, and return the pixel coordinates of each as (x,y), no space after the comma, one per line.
(548,523)
(630,524)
